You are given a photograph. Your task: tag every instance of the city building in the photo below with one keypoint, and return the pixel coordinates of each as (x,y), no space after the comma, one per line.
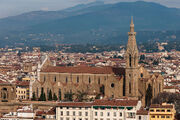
(162,112)
(98,110)
(133,81)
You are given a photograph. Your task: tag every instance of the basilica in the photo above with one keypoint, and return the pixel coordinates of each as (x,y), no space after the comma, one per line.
(132,82)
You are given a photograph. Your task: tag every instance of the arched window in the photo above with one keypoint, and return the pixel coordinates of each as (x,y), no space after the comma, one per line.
(89,80)
(141,74)
(159,87)
(99,81)
(77,79)
(44,78)
(37,91)
(55,79)
(66,79)
(129,87)
(130,62)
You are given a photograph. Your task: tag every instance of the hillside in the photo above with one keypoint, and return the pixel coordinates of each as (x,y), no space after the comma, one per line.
(95,23)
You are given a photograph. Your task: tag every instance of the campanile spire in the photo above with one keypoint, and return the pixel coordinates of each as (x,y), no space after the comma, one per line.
(132,59)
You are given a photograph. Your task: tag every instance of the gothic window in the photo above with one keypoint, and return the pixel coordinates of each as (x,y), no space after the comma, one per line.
(141,74)
(130,64)
(135,60)
(99,82)
(55,79)
(66,79)
(77,79)
(37,91)
(44,78)
(129,87)
(89,80)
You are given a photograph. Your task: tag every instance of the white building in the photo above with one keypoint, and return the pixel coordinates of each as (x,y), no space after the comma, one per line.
(25,113)
(98,110)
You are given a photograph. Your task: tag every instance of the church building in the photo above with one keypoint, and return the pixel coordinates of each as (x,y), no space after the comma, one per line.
(133,81)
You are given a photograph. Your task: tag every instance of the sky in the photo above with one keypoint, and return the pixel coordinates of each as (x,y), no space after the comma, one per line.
(15,7)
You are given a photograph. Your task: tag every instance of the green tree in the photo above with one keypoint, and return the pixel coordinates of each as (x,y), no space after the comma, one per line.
(33,97)
(81,96)
(44,97)
(50,96)
(68,96)
(55,97)
(148,95)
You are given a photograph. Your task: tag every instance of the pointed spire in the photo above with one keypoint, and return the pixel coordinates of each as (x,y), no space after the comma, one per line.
(132,25)
(132,20)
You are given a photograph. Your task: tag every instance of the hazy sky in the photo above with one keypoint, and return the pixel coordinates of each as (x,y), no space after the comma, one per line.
(15,7)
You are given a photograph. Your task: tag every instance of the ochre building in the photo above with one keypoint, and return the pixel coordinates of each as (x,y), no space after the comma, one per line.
(133,81)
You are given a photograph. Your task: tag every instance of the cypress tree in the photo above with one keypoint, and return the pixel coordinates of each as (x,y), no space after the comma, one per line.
(50,96)
(34,96)
(55,97)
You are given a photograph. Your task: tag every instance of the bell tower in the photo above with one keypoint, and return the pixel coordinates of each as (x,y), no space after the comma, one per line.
(132,69)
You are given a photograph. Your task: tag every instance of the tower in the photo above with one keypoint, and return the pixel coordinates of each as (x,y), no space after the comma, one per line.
(132,69)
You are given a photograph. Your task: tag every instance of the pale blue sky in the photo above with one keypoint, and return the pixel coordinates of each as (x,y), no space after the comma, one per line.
(15,7)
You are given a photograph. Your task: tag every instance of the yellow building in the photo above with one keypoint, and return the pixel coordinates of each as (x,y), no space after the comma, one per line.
(22,90)
(162,112)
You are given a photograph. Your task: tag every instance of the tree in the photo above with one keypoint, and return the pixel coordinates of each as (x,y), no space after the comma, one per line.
(42,96)
(55,97)
(142,57)
(148,95)
(81,96)
(68,96)
(50,96)
(168,98)
(33,97)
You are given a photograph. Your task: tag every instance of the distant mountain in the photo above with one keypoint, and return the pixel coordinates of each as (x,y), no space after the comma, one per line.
(89,23)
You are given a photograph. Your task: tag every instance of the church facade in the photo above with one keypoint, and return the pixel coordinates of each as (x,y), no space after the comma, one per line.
(133,81)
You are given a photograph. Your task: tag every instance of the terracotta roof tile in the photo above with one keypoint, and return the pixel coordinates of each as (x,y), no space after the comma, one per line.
(85,69)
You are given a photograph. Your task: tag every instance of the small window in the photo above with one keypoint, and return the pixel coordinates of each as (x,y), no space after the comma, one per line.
(120,114)
(86,113)
(61,112)
(162,110)
(112,85)
(80,113)
(168,110)
(74,113)
(157,110)
(141,74)
(55,79)
(101,113)
(153,116)
(114,114)
(89,80)
(67,113)
(163,116)
(96,113)
(99,82)
(77,79)
(108,113)
(44,78)
(139,117)
(66,80)
(151,110)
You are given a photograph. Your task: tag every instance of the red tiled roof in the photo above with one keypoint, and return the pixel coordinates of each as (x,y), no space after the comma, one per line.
(22,83)
(100,103)
(160,106)
(142,111)
(75,104)
(85,69)
(115,102)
